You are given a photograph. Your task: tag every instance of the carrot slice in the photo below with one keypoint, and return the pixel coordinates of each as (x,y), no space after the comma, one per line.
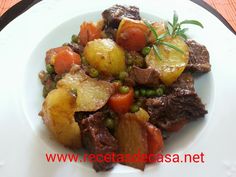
(53,52)
(131,34)
(155,140)
(121,103)
(89,32)
(64,60)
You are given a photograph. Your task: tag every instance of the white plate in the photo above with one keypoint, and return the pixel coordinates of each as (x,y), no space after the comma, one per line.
(25,140)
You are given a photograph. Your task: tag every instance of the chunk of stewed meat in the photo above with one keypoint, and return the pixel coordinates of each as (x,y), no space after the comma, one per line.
(146,77)
(97,139)
(173,110)
(114,14)
(199,59)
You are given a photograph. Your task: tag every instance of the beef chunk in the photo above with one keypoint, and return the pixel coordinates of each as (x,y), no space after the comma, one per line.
(182,104)
(184,82)
(147,77)
(97,139)
(114,14)
(110,32)
(198,57)
(77,48)
(175,109)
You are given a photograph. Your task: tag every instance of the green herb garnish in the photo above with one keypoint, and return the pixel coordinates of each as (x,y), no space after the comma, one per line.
(172,46)
(157,53)
(159,41)
(174,28)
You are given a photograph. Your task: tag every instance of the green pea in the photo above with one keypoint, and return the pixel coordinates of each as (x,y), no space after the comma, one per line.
(128,56)
(123,75)
(129,61)
(109,123)
(134,108)
(159,92)
(50,69)
(74,38)
(124,89)
(93,72)
(143,92)
(129,68)
(118,82)
(136,93)
(139,61)
(163,87)
(150,93)
(146,50)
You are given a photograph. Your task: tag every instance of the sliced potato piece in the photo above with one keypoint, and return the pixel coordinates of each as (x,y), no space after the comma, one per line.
(106,56)
(132,138)
(93,95)
(58,115)
(73,79)
(172,63)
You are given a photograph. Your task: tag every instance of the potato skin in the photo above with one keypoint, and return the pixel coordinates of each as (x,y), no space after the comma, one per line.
(106,56)
(58,115)
(173,62)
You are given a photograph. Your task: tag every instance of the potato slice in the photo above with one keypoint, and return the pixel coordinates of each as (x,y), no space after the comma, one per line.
(58,115)
(73,79)
(93,95)
(106,56)
(132,138)
(173,62)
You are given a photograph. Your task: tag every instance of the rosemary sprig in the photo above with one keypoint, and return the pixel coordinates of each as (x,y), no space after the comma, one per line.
(172,46)
(192,22)
(157,53)
(159,40)
(175,28)
(151,29)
